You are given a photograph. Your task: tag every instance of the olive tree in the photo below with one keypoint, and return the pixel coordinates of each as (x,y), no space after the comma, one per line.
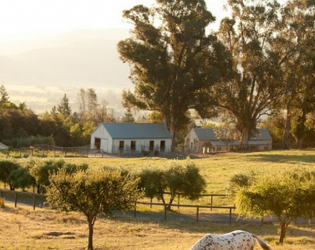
(6,168)
(92,192)
(177,179)
(287,195)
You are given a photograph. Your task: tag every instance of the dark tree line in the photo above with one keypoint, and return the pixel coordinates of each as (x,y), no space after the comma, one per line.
(21,127)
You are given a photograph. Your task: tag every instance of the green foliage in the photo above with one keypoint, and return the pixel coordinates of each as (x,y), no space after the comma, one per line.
(6,167)
(64,107)
(101,190)
(174,63)
(21,178)
(29,141)
(287,195)
(183,179)
(4,96)
(40,169)
(268,45)
(153,183)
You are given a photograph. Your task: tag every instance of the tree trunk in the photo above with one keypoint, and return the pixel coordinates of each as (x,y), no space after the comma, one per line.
(90,241)
(283,229)
(244,139)
(287,128)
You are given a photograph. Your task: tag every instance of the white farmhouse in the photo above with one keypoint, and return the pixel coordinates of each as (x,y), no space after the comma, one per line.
(131,137)
(205,140)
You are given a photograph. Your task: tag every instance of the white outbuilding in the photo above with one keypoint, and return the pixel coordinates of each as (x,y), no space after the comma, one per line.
(205,140)
(3,147)
(131,137)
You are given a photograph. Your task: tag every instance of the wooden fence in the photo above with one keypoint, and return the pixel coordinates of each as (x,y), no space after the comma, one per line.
(30,199)
(166,206)
(37,200)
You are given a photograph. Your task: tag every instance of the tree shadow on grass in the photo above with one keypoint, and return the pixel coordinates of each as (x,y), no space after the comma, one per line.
(282,158)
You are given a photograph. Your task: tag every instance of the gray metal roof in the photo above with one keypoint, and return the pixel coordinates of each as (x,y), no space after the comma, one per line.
(207,134)
(137,130)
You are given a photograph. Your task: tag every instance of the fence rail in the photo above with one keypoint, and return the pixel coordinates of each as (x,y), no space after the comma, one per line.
(37,200)
(30,199)
(166,206)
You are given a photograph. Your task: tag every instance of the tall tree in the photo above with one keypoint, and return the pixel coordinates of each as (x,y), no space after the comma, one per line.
(297,46)
(254,86)
(4,96)
(64,107)
(91,98)
(174,63)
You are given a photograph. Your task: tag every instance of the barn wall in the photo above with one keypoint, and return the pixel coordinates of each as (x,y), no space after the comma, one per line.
(105,139)
(141,144)
(192,142)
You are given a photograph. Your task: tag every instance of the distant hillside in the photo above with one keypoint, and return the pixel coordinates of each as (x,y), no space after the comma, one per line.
(64,63)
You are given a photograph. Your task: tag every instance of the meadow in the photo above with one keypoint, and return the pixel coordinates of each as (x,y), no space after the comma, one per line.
(22,228)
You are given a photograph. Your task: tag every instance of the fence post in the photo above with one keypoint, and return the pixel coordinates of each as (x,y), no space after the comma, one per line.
(230,221)
(197,216)
(34,201)
(15,200)
(165,212)
(135,210)
(211,202)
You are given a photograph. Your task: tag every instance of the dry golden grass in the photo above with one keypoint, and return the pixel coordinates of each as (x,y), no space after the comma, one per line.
(25,229)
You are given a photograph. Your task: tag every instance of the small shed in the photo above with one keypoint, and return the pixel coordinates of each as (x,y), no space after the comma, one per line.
(3,147)
(131,137)
(204,140)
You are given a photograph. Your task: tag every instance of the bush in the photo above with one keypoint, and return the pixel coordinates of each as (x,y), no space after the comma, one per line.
(29,141)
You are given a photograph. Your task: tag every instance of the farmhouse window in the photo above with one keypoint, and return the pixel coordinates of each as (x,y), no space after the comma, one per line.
(133,145)
(121,145)
(151,147)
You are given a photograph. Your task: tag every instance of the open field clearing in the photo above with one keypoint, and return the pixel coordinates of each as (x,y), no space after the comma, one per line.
(22,228)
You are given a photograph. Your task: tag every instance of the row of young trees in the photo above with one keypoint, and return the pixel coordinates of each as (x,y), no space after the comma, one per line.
(261,61)
(71,187)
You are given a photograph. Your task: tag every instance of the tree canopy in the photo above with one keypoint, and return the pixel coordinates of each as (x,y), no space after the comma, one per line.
(287,195)
(173,61)
(98,191)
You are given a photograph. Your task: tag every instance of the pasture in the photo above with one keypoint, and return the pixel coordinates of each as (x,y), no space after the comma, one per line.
(22,228)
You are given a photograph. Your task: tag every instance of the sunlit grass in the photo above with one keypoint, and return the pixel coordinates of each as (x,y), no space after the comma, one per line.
(23,228)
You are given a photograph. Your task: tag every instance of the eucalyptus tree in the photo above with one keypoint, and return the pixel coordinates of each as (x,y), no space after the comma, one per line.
(297,43)
(174,62)
(254,86)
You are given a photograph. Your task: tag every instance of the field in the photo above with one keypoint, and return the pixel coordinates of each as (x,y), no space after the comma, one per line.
(22,228)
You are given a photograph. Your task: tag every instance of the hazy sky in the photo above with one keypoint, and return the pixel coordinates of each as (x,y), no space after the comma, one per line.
(21,19)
